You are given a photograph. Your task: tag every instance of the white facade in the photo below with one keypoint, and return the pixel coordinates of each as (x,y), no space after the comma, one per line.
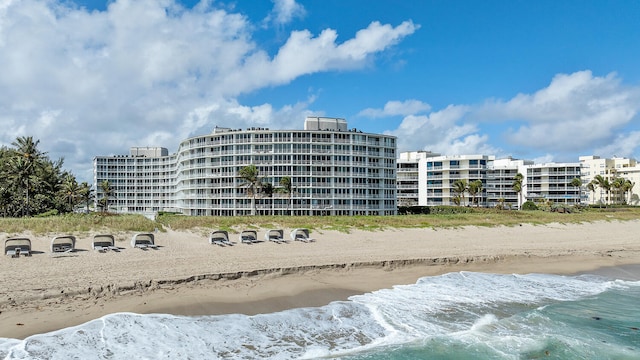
(444,171)
(501,174)
(333,171)
(427,179)
(632,173)
(142,182)
(412,178)
(552,182)
(610,169)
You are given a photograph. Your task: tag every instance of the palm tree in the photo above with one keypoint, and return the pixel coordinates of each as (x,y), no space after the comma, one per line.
(287,188)
(70,190)
(475,188)
(28,149)
(252,182)
(20,173)
(459,188)
(267,191)
(618,184)
(107,193)
(87,194)
(26,161)
(591,186)
(5,200)
(603,184)
(626,188)
(576,182)
(517,187)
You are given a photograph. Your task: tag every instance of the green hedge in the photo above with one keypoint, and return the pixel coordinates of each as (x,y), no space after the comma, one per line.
(434,210)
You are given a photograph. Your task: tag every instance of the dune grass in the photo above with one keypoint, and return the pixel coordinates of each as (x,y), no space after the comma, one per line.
(477,217)
(77,223)
(97,222)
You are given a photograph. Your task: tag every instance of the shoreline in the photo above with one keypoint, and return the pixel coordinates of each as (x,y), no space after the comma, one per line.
(264,278)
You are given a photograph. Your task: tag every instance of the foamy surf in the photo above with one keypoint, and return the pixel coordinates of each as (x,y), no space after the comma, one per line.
(458,314)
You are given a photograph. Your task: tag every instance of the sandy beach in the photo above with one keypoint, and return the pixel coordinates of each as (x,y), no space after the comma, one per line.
(188,276)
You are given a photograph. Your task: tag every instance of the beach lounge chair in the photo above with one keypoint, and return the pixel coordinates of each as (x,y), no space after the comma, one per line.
(15,247)
(63,243)
(143,241)
(220,237)
(248,237)
(104,242)
(275,235)
(301,235)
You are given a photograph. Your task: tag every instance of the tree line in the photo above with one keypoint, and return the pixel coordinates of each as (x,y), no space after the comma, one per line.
(34,184)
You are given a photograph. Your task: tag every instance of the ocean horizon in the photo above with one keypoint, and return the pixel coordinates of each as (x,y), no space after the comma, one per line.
(459,315)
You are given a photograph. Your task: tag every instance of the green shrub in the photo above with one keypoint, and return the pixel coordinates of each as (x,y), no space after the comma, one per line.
(446,210)
(529,205)
(413,210)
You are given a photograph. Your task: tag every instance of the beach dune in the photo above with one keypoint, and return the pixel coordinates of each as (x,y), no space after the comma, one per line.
(186,275)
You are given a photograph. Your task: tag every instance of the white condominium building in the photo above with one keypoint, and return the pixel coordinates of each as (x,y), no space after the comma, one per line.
(444,171)
(610,169)
(552,182)
(501,175)
(631,173)
(412,178)
(429,179)
(141,182)
(333,171)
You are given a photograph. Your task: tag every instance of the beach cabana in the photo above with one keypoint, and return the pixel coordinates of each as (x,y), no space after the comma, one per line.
(219,237)
(17,246)
(275,235)
(104,242)
(143,241)
(248,236)
(301,235)
(63,243)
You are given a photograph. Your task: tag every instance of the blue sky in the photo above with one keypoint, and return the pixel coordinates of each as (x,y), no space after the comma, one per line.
(539,80)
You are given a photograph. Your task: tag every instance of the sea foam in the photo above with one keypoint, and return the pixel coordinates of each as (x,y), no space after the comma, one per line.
(504,312)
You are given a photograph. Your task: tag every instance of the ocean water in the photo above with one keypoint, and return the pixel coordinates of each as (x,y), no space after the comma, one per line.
(461,315)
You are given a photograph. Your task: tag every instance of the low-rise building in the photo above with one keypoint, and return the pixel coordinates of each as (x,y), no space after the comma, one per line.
(552,182)
(606,170)
(501,175)
(429,179)
(412,178)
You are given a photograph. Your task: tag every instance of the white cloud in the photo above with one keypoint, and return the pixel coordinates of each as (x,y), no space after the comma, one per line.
(545,159)
(626,145)
(442,132)
(576,111)
(303,54)
(150,72)
(230,113)
(393,108)
(284,11)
